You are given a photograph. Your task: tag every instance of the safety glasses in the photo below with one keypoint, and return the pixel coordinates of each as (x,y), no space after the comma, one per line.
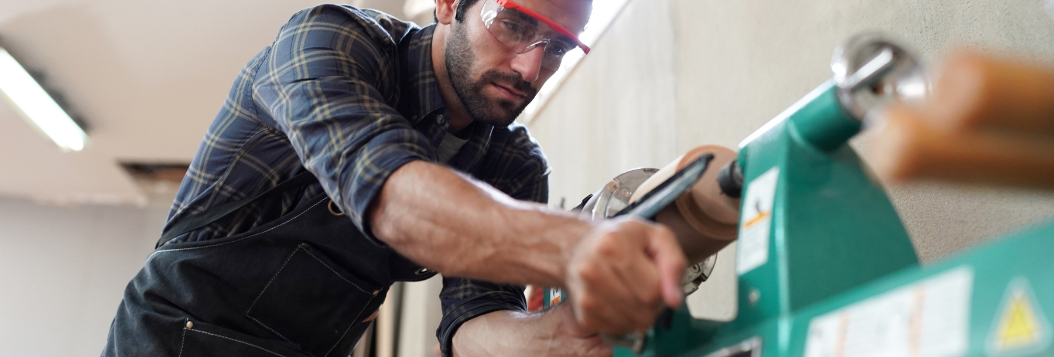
(522,30)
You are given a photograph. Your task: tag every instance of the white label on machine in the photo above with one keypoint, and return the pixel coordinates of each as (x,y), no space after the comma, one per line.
(754,227)
(930,318)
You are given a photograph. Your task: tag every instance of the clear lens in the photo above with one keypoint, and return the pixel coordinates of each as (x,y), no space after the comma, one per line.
(521,33)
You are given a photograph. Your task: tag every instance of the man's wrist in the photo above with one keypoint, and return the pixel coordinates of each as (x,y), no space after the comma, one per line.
(563,231)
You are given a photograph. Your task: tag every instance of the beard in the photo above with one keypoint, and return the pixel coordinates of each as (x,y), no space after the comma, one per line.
(460,59)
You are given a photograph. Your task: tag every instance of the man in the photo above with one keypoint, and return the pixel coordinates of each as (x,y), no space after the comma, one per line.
(358,150)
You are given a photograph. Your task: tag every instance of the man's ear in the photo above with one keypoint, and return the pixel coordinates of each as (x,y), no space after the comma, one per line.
(445,10)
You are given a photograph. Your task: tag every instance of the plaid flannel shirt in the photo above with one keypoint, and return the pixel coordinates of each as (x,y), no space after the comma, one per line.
(349,95)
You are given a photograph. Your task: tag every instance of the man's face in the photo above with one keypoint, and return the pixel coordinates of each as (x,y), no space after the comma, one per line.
(495,83)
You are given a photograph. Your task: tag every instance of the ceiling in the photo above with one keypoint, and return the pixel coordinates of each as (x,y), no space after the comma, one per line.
(146,76)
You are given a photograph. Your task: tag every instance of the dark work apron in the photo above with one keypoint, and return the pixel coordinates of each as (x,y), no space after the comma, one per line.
(307,284)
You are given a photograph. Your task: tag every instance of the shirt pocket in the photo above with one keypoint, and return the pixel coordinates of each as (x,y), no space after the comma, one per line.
(315,303)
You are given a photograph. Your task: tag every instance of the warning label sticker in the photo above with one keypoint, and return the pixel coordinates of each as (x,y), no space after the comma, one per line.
(1020,326)
(756,223)
(928,318)
(554,296)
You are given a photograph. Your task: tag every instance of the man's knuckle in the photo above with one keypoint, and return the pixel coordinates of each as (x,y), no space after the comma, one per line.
(678,262)
(608,248)
(589,274)
(590,324)
(652,299)
(664,231)
(588,302)
(657,308)
(625,225)
(647,316)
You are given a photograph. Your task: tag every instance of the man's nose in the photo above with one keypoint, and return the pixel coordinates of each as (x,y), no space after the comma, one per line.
(529,64)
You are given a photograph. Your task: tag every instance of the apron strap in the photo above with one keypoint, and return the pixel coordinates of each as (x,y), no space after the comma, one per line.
(215,213)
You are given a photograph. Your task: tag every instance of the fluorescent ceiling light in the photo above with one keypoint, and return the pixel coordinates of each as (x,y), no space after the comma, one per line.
(36,106)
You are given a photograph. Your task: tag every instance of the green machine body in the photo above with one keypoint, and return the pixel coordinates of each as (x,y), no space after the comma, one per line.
(825,267)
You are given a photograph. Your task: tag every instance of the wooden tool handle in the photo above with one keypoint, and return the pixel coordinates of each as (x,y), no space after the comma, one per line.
(988,121)
(704,219)
(977,92)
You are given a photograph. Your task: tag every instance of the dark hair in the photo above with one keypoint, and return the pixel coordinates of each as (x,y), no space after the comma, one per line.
(459,13)
(462,7)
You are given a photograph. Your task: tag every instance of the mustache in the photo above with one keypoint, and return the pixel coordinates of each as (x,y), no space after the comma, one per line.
(514,80)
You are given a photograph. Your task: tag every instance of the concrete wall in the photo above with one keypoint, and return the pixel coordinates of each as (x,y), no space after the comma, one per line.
(670,75)
(63,272)
(618,109)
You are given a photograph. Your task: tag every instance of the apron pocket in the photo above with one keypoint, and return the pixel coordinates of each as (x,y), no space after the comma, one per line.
(203,340)
(313,302)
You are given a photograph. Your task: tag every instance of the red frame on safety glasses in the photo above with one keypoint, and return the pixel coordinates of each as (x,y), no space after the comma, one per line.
(509,4)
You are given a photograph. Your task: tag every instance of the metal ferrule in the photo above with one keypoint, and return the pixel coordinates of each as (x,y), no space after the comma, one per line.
(872,70)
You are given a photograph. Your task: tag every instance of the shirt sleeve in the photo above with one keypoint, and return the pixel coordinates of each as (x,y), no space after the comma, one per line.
(324,83)
(465,299)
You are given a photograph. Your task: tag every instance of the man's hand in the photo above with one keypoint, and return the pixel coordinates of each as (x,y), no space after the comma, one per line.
(621,274)
(568,338)
(514,333)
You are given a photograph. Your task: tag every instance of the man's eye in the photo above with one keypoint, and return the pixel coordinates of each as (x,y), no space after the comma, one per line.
(514,26)
(523,31)
(558,49)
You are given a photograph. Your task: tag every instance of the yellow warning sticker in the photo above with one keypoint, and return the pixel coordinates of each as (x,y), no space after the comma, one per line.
(1020,326)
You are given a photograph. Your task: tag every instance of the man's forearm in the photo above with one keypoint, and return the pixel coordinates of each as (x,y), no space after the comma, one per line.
(519,333)
(462,227)
(499,333)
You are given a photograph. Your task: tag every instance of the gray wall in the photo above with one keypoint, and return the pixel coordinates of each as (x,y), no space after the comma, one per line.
(63,272)
(670,75)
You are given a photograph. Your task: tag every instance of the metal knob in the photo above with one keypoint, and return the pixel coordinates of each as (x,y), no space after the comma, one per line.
(872,70)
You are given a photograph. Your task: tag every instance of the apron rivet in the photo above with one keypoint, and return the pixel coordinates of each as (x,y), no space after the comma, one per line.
(422,271)
(333,209)
(375,292)
(190,325)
